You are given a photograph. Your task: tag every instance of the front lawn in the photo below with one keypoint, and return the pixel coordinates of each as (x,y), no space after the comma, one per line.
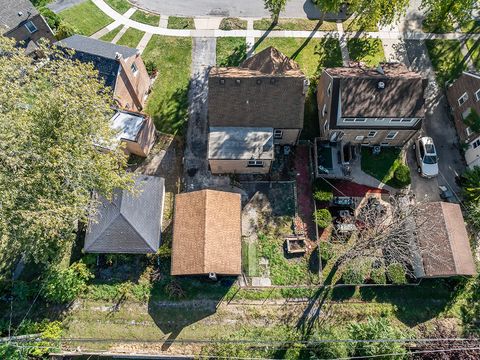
(446,58)
(367,50)
(436,26)
(354,25)
(231,51)
(385,166)
(471,27)
(313,55)
(146,18)
(110,35)
(168,101)
(120,6)
(131,38)
(474,46)
(294,24)
(176,22)
(86,18)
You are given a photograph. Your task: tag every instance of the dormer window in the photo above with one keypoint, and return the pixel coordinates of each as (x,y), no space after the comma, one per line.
(31,27)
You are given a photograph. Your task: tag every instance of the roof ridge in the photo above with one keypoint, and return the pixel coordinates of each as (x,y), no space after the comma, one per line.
(136,231)
(106,227)
(444,218)
(205,208)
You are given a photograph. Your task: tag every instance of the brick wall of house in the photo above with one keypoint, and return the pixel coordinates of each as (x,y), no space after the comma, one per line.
(20,33)
(350,136)
(324,99)
(290,136)
(140,84)
(237,167)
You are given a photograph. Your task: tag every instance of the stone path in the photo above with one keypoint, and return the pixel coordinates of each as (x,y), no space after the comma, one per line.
(120,34)
(144,42)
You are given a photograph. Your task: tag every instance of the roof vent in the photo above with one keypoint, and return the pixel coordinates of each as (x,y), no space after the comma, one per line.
(118,56)
(20,13)
(259,81)
(380,85)
(212,276)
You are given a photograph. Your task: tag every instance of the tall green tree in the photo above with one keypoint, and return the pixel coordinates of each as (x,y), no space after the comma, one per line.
(275,7)
(471,184)
(52,113)
(442,14)
(367,12)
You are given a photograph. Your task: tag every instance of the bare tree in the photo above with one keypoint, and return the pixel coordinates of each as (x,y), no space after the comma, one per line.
(387,231)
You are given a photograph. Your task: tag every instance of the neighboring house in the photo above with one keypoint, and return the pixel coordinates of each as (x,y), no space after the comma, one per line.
(266,91)
(131,223)
(464,98)
(365,107)
(443,240)
(121,67)
(20,20)
(207,234)
(136,130)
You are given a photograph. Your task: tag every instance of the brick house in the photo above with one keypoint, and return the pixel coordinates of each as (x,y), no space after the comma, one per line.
(20,20)
(265,93)
(464,99)
(121,67)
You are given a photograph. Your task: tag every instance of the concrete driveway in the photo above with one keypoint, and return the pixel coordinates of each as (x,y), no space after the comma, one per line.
(439,126)
(227,8)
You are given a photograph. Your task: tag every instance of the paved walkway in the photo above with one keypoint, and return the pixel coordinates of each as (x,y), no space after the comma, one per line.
(394,34)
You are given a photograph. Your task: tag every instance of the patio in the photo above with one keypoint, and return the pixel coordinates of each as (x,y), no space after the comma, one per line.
(332,159)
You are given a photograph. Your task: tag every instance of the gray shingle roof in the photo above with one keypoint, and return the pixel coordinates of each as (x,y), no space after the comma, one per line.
(100,53)
(9,13)
(130,223)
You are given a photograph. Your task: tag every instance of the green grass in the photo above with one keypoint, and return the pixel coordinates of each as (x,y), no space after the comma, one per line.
(120,6)
(294,24)
(367,50)
(383,166)
(168,101)
(110,35)
(446,58)
(313,55)
(471,27)
(249,258)
(86,18)
(233,24)
(175,22)
(231,51)
(433,25)
(131,38)
(146,18)
(474,47)
(354,25)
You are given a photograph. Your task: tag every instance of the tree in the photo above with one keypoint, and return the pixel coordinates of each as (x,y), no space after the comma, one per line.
(64,285)
(471,184)
(52,113)
(442,14)
(367,12)
(275,7)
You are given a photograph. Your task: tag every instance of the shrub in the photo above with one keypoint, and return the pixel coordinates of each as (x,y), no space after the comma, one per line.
(396,274)
(22,291)
(64,285)
(326,251)
(356,273)
(53,20)
(322,218)
(329,350)
(65,30)
(376,329)
(402,175)
(322,195)
(151,67)
(378,275)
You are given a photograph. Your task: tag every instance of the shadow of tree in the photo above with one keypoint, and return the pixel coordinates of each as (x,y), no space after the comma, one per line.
(238,55)
(362,47)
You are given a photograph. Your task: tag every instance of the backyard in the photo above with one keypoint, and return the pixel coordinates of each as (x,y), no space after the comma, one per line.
(168,101)
(388,166)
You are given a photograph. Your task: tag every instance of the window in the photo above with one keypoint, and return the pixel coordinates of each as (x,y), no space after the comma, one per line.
(466,113)
(277,134)
(359,138)
(462,99)
(329,89)
(468,131)
(360,120)
(395,120)
(134,69)
(324,110)
(477,95)
(255,163)
(408,120)
(372,134)
(325,126)
(379,119)
(391,135)
(476,143)
(31,27)
(384,144)
(348,120)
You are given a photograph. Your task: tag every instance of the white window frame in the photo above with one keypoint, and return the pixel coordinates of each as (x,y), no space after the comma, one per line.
(372,134)
(348,120)
(325,126)
(30,23)
(476,143)
(324,110)
(360,120)
(462,99)
(359,138)
(277,134)
(255,163)
(329,89)
(134,69)
(477,95)
(384,143)
(468,131)
(395,120)
(391,135)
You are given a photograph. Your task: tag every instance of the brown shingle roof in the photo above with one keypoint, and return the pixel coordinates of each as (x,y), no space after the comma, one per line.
(207,233)
(402,96)
(267,90)
(444,241)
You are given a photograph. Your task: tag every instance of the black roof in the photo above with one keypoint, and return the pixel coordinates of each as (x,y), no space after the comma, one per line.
(100,53)
(15,12)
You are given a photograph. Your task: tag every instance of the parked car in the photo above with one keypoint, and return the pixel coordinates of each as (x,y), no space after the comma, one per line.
(427,158)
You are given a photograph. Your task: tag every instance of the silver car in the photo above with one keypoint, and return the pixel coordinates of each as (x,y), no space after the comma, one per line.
(427,158)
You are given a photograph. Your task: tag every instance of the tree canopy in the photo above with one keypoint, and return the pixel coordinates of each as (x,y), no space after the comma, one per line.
(275,7)
(52,113)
